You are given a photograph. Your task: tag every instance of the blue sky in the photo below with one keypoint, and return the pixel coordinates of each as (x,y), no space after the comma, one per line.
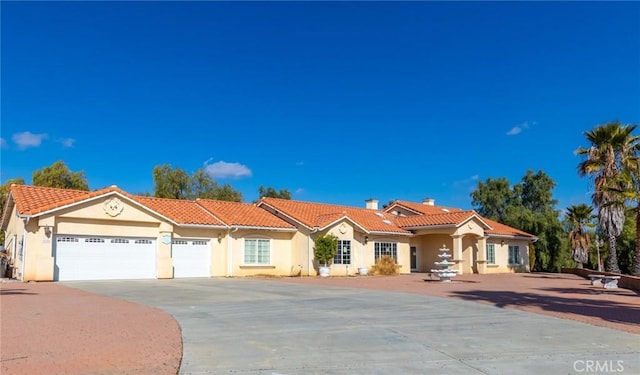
(335,101)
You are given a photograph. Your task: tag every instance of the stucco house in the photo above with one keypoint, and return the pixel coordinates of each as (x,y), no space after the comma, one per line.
(62,234)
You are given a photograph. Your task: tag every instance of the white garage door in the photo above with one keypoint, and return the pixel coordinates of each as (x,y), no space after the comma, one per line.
(191,258)
(104,258)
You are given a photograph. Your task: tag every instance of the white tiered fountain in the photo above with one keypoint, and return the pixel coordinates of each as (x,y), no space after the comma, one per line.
(444,273)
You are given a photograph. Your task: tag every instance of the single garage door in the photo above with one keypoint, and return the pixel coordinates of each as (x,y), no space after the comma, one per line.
(104,258)
(191,258)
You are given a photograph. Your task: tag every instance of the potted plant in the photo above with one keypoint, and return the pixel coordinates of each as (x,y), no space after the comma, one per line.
(326,247)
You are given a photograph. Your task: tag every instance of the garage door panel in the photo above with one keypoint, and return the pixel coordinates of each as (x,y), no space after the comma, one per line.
(103,258)
(191,258)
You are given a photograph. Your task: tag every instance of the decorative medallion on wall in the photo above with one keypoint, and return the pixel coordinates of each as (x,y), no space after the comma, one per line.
(113,207)
(166,239)
(343,228)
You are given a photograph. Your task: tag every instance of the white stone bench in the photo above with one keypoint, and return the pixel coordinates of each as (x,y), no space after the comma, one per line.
(609,282)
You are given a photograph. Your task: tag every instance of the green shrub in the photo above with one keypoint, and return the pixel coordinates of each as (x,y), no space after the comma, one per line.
(386,265)
(325,249)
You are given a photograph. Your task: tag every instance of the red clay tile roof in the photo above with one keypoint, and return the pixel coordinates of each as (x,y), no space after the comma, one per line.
(180,211)
(438,215)
(446,218)
(422,208)
(33,200)
(505,230)
(243,214)
(321,215)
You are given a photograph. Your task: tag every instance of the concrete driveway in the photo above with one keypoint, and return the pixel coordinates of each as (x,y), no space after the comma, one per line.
(256,326)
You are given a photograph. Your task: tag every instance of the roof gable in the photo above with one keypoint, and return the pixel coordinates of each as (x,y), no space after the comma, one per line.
(322,215)
(427,215)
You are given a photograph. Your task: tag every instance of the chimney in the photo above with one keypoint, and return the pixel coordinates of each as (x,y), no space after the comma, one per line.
(372,204)
(429,202)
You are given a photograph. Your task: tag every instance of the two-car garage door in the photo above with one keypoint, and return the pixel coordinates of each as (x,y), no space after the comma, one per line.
(104,258)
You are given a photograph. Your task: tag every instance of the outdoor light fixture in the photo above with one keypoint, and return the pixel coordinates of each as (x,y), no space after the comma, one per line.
(47,230)
(502,242)
(366,239)
(219,237)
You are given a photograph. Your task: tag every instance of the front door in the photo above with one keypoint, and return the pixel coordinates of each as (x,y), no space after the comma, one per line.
(414,259)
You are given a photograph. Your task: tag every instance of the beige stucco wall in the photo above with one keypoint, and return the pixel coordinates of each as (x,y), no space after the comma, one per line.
(404,258)
(302,252)
(502,257)
(280,245)
(13,241)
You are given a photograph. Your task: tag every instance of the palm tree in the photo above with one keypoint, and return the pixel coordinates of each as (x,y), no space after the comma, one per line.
(612,147)
(580,216)
(627,184)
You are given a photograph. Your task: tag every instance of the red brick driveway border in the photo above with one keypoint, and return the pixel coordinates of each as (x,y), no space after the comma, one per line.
(563,296)
(48,328)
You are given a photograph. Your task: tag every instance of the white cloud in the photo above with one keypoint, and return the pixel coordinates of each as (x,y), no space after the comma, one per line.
(520,127)
(299,191)
(27,139)
(3,143)
(222,169)
(67,142)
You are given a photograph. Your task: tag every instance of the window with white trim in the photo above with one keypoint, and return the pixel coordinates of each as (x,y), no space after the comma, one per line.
(94,240)
(343,256)
(143,242)
(386,248)
(198,242)
(257,251)
(179,242)
(491,253)
(119,240)
(514,254)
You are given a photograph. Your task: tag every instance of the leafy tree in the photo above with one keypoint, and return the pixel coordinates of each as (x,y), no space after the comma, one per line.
(203,186)
(528,206)
(613,147)
(579,216)
(57,175)
(269,192)
(170,182)
(493,199)
(227,193)
(176,183)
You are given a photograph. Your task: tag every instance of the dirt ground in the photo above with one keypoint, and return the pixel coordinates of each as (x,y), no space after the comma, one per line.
(564,296)
(48,328)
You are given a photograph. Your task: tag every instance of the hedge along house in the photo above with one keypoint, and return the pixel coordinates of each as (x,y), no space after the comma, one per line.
(364,234)
(61,234)
(478,245)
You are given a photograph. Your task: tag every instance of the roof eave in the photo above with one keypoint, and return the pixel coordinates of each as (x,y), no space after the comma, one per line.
(274,229)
